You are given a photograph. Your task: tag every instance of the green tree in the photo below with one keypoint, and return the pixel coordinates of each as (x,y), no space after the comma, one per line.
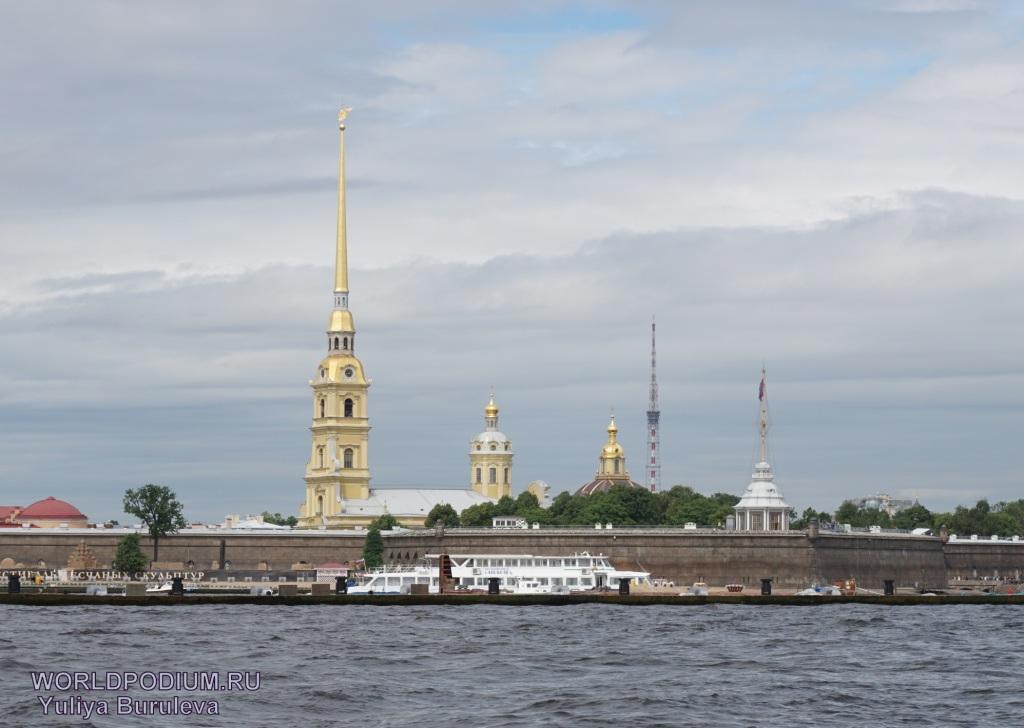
(129,557)
(442,513)
(373,549)
(917,516)
(158,508)
(526,502)
(478,516)
(278,520)
(385,522)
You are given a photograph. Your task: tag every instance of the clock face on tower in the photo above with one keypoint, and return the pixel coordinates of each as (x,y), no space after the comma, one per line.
(349,372)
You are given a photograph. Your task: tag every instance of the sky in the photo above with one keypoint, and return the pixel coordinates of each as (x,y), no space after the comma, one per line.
(831,190)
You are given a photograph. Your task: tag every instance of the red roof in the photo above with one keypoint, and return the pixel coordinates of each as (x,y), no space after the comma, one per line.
(6,511)
(50,508)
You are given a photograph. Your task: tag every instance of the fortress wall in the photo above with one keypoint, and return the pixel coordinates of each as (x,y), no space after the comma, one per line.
(717,557)
(243,550)
(683,556)
(873,558)
(975,559)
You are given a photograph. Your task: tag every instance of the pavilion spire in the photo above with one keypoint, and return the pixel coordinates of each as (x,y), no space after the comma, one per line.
(341,256)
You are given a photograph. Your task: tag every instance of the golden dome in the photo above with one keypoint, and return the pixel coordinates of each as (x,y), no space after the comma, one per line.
(491,410)
(612,450)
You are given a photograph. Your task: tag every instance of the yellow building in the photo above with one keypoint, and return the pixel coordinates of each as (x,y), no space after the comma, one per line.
(490,458)
(611,466)
(338,492)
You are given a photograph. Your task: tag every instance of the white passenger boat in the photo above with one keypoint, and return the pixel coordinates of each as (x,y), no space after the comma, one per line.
(516,573)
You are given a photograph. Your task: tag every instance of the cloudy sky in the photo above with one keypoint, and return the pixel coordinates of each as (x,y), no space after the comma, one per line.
(832,189)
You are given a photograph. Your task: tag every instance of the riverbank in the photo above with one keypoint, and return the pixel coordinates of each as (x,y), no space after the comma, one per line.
(638,600)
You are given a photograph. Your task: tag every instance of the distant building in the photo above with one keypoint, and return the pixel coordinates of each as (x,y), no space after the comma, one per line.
(611,467)
(884,502)
(47,513)
(762,507)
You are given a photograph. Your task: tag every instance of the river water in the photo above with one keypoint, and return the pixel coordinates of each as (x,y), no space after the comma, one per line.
(593,664)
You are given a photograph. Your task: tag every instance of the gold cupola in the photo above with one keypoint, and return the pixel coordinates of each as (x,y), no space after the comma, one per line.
(611,467)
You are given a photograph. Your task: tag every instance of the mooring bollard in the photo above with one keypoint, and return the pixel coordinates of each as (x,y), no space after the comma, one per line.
(766,587)
(889,587)
(177,588)
(624,587)
(493,585)
(341,585)
(13,584)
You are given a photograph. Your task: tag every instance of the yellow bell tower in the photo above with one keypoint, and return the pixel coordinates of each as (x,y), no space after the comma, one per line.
(490,458)
(338,468)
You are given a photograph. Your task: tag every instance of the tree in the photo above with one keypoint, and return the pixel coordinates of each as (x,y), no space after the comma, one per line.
(129,556)
(478,516)
(917,516)
(373,549)
(442,513)
(278,520)
(158,508)
(385,522)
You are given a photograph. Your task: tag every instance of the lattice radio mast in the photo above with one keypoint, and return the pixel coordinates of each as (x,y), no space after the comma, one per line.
(653,415)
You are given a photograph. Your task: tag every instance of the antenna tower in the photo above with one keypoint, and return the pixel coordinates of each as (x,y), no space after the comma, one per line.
(653,415)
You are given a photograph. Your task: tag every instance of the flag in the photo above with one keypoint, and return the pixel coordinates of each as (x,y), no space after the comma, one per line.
(760,391)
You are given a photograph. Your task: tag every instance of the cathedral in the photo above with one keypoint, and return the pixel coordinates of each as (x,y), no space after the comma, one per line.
(338,492)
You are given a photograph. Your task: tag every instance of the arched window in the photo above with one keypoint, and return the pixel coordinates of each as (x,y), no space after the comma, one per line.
(478,446)
(348,457)
(319,505)
(478,475)
(323,407)
(506,476)
(492,475)
(344,343)
(348,407)
(616,467)
(508,447)
(493,446)
(335,342)
(319,457)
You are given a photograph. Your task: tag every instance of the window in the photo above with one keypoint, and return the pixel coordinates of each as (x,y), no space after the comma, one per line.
(319,457)
(344,343)
(478,446)
(492,475)
(506,476)
(323,407)
(335,342)
(507,446)
(493,446)
(348,457)
(616,467)
(319,505)
(348,407)
(478,475)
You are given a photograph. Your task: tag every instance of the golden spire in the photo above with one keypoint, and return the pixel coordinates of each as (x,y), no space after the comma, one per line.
(491,410)
(341,261)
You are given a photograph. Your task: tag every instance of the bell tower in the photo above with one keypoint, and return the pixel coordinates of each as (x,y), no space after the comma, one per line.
(490,458)
(338,468)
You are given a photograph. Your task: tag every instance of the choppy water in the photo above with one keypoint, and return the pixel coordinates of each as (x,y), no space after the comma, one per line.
(594,665)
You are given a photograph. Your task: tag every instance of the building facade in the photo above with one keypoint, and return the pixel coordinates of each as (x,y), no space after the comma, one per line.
(490,458)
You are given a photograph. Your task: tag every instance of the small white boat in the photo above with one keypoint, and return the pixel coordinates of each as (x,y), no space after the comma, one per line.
(164,588)
(699,589)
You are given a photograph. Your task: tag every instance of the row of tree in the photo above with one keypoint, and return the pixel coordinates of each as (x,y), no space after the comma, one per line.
(984,519)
